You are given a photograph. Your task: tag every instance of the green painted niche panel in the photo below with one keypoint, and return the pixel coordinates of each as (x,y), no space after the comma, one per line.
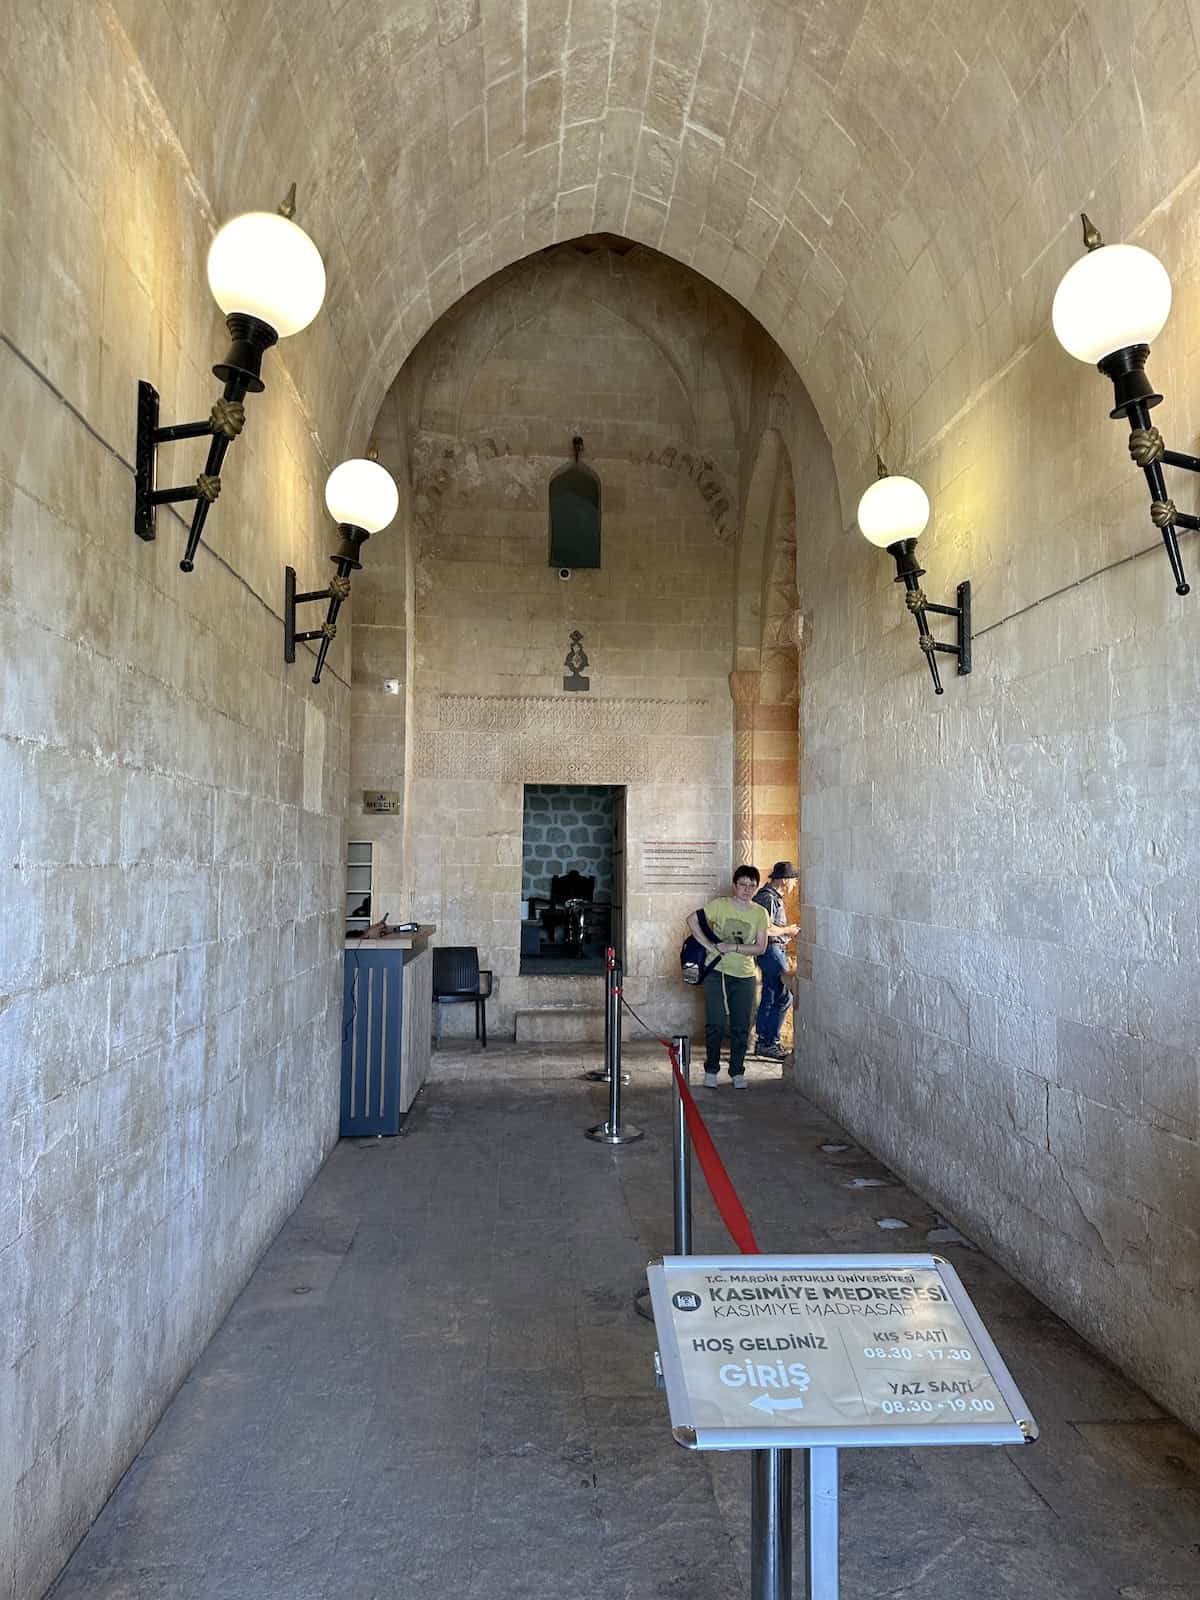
(575,517)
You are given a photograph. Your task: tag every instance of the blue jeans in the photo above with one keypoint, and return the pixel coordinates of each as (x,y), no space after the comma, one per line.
(776,997)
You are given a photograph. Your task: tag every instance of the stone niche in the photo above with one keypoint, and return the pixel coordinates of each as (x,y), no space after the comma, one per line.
(567,827)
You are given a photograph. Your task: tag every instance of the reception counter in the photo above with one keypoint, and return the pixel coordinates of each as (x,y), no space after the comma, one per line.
(386,1016)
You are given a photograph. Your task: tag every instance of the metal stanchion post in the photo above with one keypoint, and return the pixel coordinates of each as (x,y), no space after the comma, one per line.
(681,1168)
(770,1525)
(601,1075)
(613,1131)
(821,1524)
(681,1149)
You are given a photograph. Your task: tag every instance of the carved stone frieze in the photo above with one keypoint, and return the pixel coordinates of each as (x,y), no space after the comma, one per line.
(544,757)
(554,716)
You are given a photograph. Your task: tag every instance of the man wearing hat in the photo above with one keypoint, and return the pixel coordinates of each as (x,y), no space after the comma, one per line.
(776,996)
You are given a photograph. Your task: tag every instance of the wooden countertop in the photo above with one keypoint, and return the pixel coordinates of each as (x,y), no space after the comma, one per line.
(394,941)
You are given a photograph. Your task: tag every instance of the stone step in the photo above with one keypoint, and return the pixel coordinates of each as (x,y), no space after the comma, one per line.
(560,1025)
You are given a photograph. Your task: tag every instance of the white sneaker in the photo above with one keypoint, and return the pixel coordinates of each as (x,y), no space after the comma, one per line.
(711,1080)
(740,1083)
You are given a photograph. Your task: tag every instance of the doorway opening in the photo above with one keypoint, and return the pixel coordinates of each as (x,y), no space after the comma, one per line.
(572,877)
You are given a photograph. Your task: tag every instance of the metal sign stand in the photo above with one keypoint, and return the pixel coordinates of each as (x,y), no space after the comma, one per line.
(817,1353)
(822,1581)
(770,1525)
(613,1131)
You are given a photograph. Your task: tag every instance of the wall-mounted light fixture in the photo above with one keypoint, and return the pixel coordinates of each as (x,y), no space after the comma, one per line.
(1108,310)
(268,278)
(892,514)
(362,499)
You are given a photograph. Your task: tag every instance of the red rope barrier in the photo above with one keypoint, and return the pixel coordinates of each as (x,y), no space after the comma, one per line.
(720,1184)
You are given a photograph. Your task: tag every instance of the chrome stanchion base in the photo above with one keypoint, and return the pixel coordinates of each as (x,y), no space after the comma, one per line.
(604,1133)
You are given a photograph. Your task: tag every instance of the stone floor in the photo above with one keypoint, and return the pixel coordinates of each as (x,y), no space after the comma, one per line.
(436,1381)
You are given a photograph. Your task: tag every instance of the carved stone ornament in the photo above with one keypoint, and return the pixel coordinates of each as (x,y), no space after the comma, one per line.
(537,756)
(561,719)
(568,739)
(576,660)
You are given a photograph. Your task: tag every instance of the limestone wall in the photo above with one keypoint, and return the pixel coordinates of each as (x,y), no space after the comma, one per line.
(1004,883)
(171,796)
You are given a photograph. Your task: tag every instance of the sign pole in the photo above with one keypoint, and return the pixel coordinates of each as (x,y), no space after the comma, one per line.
(681,1149)
(770,1525)
(821,1524)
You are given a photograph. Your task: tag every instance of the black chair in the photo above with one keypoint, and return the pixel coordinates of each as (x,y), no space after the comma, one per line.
(457,979)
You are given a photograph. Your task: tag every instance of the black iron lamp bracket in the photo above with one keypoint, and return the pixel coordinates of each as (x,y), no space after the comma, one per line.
(1134,398)
(336,592)
(249,339)
(909,572)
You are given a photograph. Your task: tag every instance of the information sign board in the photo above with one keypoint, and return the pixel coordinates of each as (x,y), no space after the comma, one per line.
(800,1352)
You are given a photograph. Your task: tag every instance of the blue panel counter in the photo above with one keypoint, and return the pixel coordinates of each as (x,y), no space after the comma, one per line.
(386,1023)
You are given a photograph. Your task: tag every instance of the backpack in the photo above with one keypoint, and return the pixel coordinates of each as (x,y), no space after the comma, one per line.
(695,961)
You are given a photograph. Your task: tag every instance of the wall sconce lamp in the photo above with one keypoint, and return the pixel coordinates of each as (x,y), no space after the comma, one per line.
(362,499)
(268,278)
(892,514)
(1108,309)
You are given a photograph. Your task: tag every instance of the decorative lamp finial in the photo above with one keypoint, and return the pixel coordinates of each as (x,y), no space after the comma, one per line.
(880,470)
(287,206)
(1091,233)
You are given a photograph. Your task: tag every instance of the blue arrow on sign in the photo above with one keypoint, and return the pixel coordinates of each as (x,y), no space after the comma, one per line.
(768,1402)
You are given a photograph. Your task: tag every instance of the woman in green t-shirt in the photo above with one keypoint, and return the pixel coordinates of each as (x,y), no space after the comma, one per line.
(740,928)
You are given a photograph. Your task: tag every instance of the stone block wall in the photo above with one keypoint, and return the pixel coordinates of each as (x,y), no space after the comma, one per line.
(563,830)
(1002,884)
(171,795)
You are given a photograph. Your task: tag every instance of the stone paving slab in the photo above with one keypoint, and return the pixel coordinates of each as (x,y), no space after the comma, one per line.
(436,1381)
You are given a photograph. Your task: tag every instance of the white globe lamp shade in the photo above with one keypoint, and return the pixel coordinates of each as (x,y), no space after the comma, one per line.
(264,266)
(363,494)
(892,509)
(1115,296)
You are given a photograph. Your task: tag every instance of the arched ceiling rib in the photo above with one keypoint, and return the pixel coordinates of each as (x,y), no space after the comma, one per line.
(879,183)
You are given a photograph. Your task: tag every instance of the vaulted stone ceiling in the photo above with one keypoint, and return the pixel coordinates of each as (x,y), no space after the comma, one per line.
(884,185)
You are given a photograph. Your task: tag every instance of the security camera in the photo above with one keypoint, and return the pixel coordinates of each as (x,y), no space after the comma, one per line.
(564,573)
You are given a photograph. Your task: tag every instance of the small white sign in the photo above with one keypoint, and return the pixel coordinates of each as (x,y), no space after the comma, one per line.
(779,1352)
